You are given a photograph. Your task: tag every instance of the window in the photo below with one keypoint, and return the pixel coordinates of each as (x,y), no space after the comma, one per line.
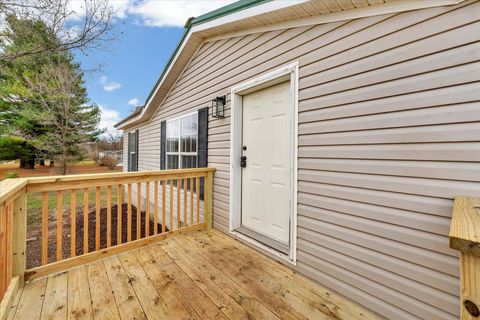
(181,142)
(133,151)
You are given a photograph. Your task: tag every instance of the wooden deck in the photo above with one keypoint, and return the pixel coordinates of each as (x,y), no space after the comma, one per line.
(200,275)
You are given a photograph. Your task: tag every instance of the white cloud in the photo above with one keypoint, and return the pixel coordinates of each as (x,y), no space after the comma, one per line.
(112,86)
(133,102)
(109,86)
(156,13)
(108,119)
(172,13)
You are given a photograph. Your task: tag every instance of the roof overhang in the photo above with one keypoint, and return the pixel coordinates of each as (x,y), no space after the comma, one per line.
(253,16)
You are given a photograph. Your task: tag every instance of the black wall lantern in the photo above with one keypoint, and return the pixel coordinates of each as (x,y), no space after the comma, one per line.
(218,107)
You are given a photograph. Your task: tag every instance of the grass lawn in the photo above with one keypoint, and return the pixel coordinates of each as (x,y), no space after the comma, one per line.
(84,167)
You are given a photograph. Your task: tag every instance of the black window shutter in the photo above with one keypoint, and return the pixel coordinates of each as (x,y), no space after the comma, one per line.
(202,152)
(136,148)
(202,155)
(163,135)
(129,168)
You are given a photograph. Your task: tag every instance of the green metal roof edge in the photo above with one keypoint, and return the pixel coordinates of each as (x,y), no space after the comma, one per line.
(226,10)
(223,11)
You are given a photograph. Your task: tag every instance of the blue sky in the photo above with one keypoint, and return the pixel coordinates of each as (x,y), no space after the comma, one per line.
(148,31)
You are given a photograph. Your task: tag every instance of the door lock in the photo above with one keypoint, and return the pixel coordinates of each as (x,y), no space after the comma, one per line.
(243,161)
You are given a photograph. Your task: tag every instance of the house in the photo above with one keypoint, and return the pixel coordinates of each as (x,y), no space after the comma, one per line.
(340,132)
(323,140)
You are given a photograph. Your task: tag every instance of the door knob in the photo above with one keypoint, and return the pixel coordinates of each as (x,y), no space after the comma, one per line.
(243,161)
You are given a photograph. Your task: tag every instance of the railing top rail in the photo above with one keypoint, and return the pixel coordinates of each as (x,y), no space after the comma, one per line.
(9,187)
(53,183)
(100,176)
(465,226)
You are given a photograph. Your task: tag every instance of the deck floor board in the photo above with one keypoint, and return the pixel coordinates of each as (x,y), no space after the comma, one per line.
(200,275)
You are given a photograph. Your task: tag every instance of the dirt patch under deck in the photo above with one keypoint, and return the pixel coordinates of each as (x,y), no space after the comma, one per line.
(34,243)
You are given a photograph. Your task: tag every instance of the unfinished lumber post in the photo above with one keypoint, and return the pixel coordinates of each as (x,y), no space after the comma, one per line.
(208,199)
(19,237)
(465,237)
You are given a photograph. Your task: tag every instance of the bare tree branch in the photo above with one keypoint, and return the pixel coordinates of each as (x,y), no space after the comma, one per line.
(85,29)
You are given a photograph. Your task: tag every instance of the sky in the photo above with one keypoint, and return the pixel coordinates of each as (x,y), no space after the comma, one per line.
(148,31)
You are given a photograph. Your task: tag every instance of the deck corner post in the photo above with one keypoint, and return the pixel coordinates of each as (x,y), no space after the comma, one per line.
(19,237)
(208,199)
(464,230)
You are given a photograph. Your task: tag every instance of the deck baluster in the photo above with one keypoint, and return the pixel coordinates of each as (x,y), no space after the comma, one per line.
(44,228)
(139,208)
(163,204)
(155,207)
(185,223)
(171,204)
(59,224)
(129,213)
(97,218)
(191,181)
(73,222)
(197,194)
(85,220)
(109,216)
(119,213)
(147,209)
(178,203)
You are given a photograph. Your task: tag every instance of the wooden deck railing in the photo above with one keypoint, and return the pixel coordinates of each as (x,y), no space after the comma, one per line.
(465,237)
(12,239)
(106,214)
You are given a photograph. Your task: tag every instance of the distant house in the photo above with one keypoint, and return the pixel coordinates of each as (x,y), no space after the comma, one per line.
(340,132)
(117,155)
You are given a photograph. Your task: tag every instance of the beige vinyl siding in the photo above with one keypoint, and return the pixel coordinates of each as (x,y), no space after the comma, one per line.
(389,133)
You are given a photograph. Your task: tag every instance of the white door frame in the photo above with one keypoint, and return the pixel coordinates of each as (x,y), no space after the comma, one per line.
(285,73)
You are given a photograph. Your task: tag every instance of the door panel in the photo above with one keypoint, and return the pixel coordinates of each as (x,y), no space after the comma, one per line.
(266,179)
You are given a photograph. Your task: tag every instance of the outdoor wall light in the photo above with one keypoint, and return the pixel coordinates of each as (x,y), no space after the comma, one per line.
(218,107)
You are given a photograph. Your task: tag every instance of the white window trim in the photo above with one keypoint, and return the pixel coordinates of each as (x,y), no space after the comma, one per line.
(179,153)
(289,72)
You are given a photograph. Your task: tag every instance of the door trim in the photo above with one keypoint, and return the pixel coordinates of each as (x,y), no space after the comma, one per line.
(285,73)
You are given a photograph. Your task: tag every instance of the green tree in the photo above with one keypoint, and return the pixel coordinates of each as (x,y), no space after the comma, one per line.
(43,100)
(59,90)
(18,126)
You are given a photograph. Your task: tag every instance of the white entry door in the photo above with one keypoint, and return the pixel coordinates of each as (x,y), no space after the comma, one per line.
(267,175)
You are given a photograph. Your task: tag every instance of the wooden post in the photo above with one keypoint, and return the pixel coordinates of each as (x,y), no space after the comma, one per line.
(465,237)
(208,199)
(19,236)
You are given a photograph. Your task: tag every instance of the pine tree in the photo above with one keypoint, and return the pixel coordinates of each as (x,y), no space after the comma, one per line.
(18,130)
(59,90)
(43,101)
